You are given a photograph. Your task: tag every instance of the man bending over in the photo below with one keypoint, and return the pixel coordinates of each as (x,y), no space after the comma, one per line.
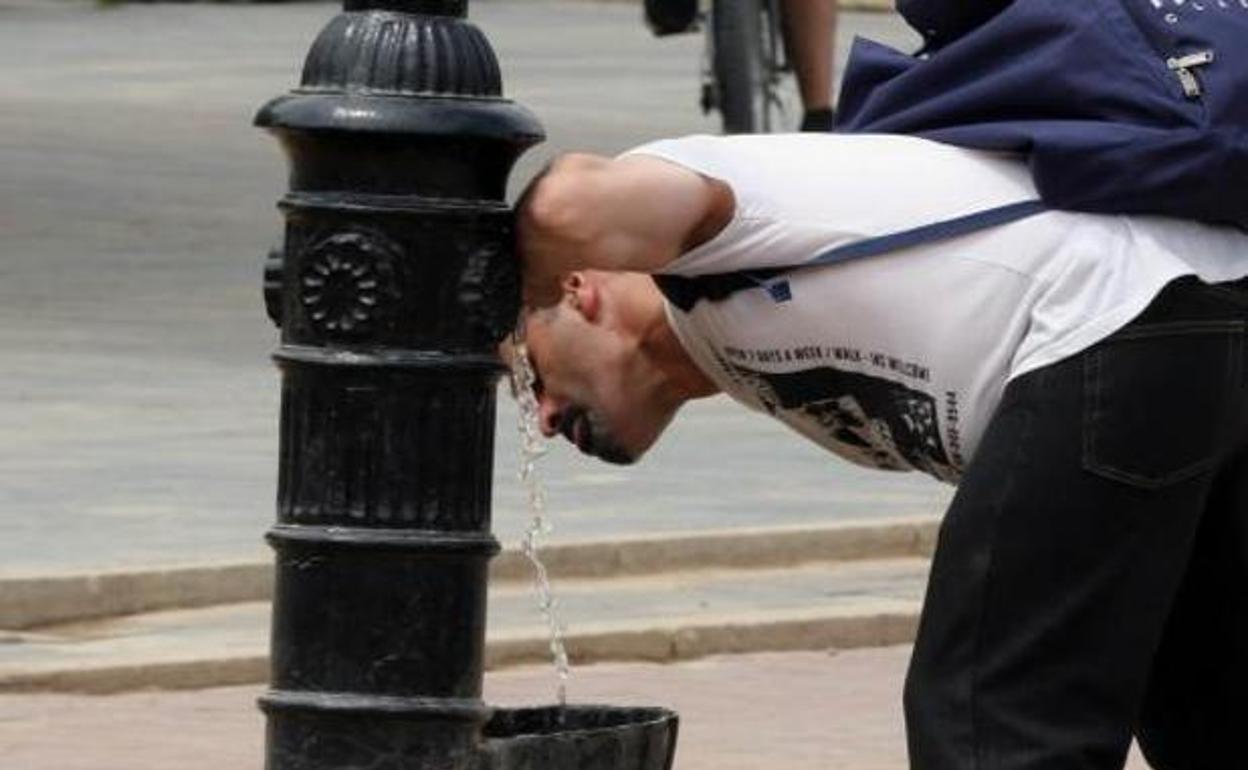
(1082,379)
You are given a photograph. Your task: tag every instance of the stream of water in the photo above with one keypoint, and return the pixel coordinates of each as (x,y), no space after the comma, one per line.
(532,447)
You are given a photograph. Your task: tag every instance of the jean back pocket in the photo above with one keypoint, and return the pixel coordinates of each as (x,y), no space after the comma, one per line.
(1161,401)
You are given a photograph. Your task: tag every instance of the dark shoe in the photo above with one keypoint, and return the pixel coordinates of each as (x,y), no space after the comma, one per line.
(671,17)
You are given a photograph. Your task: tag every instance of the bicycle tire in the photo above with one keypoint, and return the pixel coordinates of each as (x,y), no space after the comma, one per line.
(737,36)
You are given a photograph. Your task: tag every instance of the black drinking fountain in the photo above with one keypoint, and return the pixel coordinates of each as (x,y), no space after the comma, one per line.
(396,281)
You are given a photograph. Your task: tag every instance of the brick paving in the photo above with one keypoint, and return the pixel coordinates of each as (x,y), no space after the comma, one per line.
(782,711)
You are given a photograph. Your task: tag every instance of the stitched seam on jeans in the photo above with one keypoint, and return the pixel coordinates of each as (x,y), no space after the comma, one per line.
(1240,296)
(1236,372)
(998,506)
(1092,385)
(1147,331)
(1091,401)
(1091,459)
(1151,482)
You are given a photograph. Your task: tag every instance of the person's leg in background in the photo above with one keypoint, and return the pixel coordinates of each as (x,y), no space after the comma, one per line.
(810,32)
(1068,542)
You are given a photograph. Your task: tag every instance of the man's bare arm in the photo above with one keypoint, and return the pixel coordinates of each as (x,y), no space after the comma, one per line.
(635,214)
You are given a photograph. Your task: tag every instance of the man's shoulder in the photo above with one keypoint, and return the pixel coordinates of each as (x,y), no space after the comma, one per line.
(869,160)
(883,144)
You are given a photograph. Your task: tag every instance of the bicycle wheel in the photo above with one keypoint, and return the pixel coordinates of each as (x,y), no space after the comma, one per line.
(737,33)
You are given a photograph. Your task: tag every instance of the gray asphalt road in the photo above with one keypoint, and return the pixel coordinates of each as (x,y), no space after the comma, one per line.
(137,405)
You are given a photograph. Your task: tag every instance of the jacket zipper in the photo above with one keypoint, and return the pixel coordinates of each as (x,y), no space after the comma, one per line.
(1183,67)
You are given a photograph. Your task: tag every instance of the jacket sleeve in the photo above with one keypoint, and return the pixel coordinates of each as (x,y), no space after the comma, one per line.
(940,22)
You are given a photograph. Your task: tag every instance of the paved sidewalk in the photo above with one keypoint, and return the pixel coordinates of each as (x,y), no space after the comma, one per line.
(790,711)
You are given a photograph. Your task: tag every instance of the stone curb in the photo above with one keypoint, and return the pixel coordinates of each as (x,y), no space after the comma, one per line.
(165,675)
(875,624)
(879,624)
(31,602)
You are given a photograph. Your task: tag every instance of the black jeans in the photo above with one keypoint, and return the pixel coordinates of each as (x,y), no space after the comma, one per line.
(1090,580)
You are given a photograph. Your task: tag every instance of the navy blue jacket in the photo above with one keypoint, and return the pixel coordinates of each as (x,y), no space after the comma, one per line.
(1096,93)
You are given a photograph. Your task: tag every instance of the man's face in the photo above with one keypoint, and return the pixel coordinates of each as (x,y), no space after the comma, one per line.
(593,386)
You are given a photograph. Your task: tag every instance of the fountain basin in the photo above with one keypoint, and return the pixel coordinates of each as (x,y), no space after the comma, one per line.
(579,737)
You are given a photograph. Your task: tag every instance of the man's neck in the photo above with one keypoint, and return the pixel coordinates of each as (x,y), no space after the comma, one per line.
(684,380)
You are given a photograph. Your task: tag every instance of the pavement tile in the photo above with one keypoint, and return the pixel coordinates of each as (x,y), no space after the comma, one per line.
(790,711)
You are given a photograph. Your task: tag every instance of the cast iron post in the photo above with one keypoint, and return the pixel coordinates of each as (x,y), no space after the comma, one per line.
(394,285)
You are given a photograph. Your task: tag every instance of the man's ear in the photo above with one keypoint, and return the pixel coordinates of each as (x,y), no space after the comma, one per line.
(583,294)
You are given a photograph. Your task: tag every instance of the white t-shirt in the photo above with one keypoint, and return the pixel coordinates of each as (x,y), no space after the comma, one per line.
(898,361)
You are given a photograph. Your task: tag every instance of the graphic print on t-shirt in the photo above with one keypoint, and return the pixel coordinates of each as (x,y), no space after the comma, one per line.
(872,421)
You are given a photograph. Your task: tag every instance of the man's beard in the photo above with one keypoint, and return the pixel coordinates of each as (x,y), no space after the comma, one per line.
(583,428)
